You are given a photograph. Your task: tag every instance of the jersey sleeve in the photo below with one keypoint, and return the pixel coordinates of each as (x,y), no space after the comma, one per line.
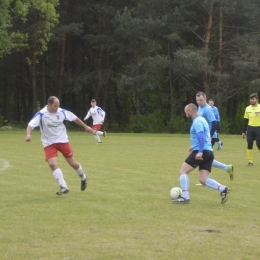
(35,120)
(69,116)
(246,114)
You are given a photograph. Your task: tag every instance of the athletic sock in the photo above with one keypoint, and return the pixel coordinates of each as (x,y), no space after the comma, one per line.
(250,155)
(220,165)
(97,137)
(212,184)
(185,185)
(80,173)
(58,175)
(99,133)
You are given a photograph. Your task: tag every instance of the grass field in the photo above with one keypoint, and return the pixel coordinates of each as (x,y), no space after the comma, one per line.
(126,211)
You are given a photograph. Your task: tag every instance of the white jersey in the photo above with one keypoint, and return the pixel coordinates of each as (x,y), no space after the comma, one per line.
(97,114)
(51,125)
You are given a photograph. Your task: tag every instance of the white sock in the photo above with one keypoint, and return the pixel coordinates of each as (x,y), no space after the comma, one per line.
(97,137)
(58,175)
(99,133)
(80,173)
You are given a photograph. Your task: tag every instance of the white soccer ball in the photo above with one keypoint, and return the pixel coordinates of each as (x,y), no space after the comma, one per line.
(175,192)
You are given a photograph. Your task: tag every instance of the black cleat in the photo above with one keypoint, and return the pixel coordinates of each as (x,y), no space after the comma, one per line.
(63,190)
(83,184)
(224,194)
(250,164)
(181,200)
(105,134)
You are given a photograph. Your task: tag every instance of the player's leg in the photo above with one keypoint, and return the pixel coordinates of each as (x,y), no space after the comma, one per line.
(97,132)
(250,141)
(204,177)
(219,142)
(51,157)
(213,141)
(229,168)
(257,137)
(186,168)
(67,152)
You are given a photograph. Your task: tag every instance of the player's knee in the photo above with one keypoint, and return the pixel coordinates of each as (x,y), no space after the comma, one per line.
(202,181)
(250,144)
(53,166)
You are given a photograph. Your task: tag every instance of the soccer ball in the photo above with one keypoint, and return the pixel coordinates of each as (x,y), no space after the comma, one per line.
(175,192)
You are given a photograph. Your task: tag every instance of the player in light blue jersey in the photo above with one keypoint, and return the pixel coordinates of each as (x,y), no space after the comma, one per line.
(215,137)
(201,156)
(206,111)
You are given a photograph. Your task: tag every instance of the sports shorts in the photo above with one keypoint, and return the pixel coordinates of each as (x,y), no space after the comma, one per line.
(52,150)
(205,164)
(253,133)
(97,127)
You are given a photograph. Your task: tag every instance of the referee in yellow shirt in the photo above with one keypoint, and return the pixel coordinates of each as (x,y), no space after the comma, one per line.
(252,126)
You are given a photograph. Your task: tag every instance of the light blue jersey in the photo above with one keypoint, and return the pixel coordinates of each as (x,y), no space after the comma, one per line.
(207,112)
(199,124)
(216,113)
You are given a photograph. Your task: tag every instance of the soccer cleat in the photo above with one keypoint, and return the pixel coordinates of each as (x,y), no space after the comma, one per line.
(181,200)
(224,194)
(99,142)
(83,184)
(231,171)
(63,190)
(250,164)
(105,134)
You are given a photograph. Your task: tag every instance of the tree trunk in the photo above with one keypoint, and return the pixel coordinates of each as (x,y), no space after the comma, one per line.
(61,72)
(170,79)
(6,107)
(33,76)
(220,45)
(97,89)
(137,93)
(205,81)
(44,98)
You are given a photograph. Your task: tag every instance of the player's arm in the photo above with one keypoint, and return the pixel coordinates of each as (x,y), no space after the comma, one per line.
(201,139)
(102,114)
(214,127)
(87,116)
(244,127)
(32,124)
(28,137)
(87,128)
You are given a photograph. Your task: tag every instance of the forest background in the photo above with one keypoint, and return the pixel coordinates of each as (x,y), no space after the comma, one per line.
(143,60)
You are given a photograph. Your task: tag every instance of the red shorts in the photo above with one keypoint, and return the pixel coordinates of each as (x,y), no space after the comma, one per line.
(97,127)
(52,150)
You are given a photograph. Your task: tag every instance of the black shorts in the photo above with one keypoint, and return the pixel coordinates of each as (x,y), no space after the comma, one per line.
(253,133)
(205,164)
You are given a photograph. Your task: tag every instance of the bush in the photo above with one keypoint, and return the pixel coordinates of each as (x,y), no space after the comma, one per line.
(179,125)
(148,123)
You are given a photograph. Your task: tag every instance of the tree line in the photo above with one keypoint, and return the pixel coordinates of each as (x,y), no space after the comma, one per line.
(142,60)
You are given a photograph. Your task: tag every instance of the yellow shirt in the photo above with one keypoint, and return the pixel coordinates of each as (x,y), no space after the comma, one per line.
(252,113)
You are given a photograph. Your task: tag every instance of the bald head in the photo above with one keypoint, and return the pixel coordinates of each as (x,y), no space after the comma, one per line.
(191,110)
(53,104)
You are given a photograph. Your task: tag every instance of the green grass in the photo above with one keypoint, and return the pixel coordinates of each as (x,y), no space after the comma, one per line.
(126,211)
